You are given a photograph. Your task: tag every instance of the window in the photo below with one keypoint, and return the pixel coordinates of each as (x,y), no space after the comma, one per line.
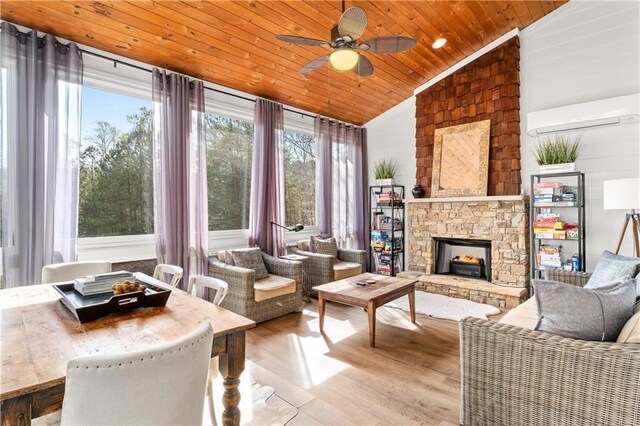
(300,178)
(116,174)
(229,148)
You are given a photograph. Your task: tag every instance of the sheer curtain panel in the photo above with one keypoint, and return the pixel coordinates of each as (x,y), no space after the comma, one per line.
(41,97)
(341,184)
(267,179)
(180,173)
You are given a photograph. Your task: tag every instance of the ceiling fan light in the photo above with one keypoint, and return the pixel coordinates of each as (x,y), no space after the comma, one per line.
(343,59)
(439,43)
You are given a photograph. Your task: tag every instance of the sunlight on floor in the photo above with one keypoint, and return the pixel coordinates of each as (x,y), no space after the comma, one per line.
(313,364)
(400,318)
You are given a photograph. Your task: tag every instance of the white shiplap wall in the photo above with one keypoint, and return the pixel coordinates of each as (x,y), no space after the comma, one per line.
(583,51)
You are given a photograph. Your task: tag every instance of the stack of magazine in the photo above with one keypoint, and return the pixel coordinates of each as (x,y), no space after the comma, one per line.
(99,284)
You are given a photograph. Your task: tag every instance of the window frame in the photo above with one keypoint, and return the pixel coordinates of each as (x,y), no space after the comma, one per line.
(100,74)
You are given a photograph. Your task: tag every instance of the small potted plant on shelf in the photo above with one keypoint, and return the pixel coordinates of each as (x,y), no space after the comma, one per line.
(558,153)
(384,172)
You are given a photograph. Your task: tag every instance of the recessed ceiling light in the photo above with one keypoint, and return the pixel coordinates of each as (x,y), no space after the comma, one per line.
(439,43)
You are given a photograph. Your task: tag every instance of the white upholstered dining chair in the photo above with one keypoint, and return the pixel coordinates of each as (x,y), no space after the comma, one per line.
(164,385)
(59,272)
(197,282)
(176,273)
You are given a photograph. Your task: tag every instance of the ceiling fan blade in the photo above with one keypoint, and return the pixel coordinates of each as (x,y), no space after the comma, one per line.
(352,22)
(364,67)
(316,63)
(302,40)
(388,44)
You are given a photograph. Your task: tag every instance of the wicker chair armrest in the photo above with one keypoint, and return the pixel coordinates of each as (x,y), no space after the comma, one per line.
(282,267)
(240,280)
(568,277)
(355,256)
(511,375)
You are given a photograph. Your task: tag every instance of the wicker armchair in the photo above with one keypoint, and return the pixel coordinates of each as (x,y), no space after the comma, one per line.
(241,296)
(319,268)
(511,375)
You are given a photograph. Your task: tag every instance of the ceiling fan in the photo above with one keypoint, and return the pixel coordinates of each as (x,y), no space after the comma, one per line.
(344,42)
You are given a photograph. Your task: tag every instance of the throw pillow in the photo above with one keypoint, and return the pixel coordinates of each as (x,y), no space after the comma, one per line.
(322,246)
(582,313)
(611,267)
(631,331)
(312,239)
(228,258)
(251,259)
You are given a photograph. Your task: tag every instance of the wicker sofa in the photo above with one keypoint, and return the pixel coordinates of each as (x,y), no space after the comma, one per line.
(515,376)
(323,268)
(251,298)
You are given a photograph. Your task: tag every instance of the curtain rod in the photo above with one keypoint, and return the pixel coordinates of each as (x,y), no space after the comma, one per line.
(128,64)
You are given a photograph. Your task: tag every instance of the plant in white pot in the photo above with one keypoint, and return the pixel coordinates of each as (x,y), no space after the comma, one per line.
(558,153)
(384,172)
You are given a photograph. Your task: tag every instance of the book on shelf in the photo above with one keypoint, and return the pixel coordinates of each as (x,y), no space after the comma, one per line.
(555,204)
(538,185)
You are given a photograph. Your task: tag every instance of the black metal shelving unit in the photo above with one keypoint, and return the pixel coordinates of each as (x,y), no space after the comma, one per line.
(566,179)
(386,255)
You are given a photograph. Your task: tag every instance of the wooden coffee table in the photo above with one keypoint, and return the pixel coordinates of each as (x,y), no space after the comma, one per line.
(384,290)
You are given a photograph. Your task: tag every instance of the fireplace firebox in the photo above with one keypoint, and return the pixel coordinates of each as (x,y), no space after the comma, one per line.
(463,257)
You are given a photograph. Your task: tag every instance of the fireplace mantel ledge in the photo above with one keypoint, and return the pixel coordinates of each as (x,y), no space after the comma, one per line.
(512,198)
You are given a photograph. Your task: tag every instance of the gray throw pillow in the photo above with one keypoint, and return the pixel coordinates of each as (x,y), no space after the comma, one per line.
(324,246)
(611,267)
(582,313)
(251,259)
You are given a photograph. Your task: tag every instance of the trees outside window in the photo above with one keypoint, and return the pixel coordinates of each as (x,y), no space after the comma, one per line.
(229,153)
(116,169)
(116,175)
(300,178)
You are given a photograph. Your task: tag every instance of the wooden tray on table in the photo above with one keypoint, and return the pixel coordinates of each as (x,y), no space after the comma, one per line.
(89,308)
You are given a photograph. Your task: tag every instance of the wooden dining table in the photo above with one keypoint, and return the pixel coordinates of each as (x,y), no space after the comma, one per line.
(39,336)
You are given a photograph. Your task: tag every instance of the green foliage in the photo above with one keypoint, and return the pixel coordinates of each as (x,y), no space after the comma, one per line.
(229,153)
(299,179)
(116,179)
(385,169)
(562,148)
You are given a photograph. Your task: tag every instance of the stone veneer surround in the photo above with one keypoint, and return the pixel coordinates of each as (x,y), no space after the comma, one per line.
(503,220)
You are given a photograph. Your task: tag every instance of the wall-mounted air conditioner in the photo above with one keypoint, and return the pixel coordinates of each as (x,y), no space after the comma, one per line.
(605,112)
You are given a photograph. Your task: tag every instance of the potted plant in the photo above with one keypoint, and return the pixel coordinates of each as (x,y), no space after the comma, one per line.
(558,153)
(384,172)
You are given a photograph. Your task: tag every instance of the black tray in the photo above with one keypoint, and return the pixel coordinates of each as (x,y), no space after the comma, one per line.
(89,308)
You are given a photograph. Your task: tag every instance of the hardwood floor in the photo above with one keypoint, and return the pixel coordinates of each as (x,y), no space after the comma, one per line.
(411,376)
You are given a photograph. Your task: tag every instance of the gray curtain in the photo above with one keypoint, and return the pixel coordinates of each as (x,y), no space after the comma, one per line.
(180,173)
(341,176)
(267,178)
(41,98)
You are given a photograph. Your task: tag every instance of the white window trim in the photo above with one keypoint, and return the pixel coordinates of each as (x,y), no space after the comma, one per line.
(124,248)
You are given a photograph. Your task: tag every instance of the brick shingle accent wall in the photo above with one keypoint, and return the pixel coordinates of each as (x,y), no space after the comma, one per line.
(487,88)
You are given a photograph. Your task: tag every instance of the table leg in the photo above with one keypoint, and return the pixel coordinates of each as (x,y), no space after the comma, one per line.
(231,365)
(412,305)
(321,307)
(16,411)
(371,310)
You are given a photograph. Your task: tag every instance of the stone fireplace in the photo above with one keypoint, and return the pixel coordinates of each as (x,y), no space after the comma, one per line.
(498,228)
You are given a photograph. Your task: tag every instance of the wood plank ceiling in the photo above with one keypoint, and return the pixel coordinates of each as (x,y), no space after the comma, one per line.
(233,43)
